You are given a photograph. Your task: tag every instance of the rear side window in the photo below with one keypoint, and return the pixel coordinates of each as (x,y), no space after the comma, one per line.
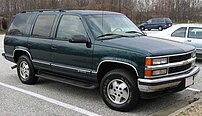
(195,32)
(155,20)
(43,26)
(161,20)
(181,32)
(18,26)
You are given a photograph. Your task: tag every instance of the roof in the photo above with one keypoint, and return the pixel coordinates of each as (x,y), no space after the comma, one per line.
(188,25)
(82,12)
(91,12)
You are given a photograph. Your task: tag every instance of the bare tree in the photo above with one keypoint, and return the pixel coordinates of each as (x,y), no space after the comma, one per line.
(137,10)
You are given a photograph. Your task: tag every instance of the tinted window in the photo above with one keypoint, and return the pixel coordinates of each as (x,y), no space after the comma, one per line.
(155,20)
(195,32)
(149,21)
(43,26)
(18,26)
(161,20)
(99,24)
(168,20)
(179,32)
(69,26)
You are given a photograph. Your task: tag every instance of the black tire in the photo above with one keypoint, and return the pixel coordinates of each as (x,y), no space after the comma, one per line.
(142,28)
(160,28)
(129,81)
(23,66)
(149,29)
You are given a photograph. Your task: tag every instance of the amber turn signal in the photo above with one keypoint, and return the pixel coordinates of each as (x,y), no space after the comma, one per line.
(148,62)
(148,72)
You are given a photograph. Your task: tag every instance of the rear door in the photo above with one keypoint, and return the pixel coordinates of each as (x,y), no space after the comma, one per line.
(194,37)
(40,41)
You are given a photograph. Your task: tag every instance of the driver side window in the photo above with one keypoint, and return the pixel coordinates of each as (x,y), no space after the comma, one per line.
(69,26)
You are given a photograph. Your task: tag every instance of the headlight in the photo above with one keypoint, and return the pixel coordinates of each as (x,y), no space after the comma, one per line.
(160,61)
(156,61)
(159,72)
(149,73)
(153,62)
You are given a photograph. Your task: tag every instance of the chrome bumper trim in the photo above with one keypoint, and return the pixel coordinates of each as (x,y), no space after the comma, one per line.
(158,84)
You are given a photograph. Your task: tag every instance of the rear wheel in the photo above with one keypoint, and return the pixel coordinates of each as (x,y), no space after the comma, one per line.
(25,69)
(119,90)
(160,28)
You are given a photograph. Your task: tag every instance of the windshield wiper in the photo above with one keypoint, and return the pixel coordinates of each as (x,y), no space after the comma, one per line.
(134,32)
(110,34)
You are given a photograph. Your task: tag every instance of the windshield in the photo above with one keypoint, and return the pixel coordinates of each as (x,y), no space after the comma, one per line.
(108,24)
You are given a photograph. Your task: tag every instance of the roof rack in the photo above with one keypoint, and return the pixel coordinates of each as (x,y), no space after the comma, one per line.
(44,10)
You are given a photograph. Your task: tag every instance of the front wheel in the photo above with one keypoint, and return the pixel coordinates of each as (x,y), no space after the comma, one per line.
(25,69)
(142,28)
(119,90)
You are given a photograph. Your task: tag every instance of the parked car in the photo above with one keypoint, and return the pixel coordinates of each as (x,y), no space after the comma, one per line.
(156,23)
(186,33)
(97,49)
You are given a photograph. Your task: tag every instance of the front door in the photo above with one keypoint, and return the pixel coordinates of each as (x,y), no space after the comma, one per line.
(73,59)
(179,34)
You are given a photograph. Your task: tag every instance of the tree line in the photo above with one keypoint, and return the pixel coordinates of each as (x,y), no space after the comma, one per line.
(137,10)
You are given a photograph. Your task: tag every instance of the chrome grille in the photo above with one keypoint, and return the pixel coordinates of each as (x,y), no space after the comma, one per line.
(179,58)
(179,68)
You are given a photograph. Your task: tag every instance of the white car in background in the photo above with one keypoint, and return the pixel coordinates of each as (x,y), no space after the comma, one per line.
(186,33)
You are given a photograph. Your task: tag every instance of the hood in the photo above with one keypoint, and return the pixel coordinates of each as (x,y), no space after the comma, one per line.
(148,45)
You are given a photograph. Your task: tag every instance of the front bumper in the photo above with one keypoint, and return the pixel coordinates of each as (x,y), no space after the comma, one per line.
(161,84)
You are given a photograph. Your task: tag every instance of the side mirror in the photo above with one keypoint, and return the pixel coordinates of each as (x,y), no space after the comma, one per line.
(78,39)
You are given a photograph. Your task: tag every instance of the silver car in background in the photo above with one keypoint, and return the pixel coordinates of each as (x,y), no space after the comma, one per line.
(186,33)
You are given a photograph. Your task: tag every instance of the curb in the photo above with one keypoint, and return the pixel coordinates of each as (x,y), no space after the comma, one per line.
(193,109)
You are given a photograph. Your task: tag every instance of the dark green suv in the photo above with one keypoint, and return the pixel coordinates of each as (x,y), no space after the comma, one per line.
(98,49)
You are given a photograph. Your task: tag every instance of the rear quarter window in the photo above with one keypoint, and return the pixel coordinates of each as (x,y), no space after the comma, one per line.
(168,20)
(19,25)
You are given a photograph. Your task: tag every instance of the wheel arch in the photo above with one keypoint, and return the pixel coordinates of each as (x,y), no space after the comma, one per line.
(19,52)
(107,65)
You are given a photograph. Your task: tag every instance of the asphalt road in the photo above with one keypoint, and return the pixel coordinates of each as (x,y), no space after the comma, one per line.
(57,99)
